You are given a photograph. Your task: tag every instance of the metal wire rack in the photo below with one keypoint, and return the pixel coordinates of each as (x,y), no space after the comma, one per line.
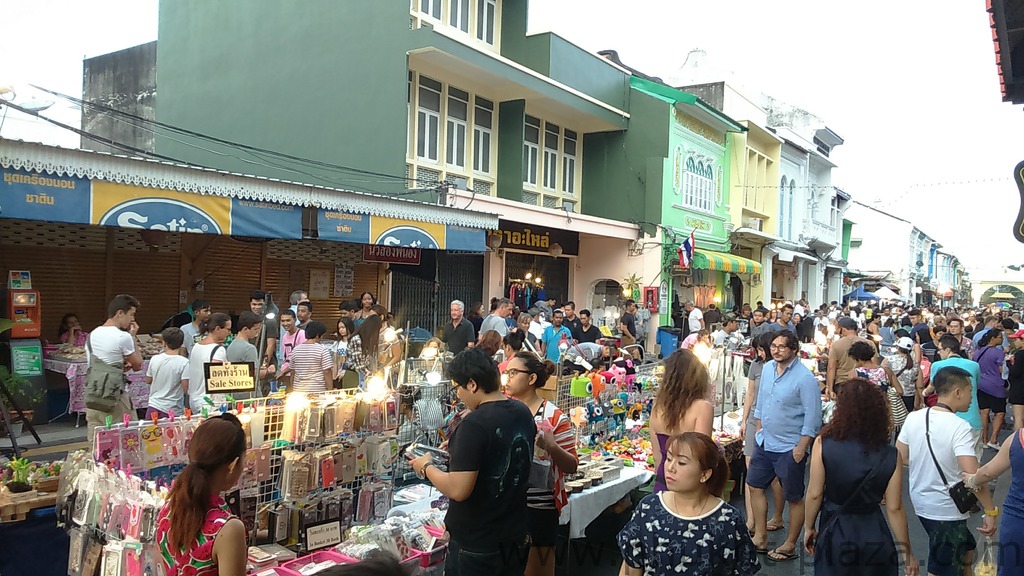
(356,437)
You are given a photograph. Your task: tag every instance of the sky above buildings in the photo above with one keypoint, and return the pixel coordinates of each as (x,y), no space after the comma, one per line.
(912,89)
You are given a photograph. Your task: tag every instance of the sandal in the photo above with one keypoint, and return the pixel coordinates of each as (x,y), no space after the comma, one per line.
(774,527)
(778,555)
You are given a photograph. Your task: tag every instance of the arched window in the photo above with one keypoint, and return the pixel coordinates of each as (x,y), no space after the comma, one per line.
(783,203)
(699,184)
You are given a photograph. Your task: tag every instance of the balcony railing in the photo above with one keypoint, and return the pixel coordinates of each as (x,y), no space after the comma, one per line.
(821,231)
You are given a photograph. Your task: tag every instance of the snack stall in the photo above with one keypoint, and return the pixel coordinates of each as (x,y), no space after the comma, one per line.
(66,365)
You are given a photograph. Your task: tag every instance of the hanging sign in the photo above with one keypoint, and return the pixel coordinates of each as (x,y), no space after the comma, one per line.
(229,377)
(319,284)
(517,236)
(391,254)
(344,280)
(1018,226)
(663,298)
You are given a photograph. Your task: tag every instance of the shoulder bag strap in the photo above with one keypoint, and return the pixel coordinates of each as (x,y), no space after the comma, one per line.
(928,438)
(871,474)
(214,352)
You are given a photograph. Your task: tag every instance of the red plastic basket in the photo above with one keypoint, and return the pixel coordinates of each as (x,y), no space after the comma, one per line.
(293,567)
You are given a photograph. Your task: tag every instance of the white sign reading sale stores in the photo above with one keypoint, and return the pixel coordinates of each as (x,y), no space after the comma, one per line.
(225,378)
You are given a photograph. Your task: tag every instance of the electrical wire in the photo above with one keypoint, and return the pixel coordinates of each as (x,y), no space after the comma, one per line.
(187,132)
(145,153)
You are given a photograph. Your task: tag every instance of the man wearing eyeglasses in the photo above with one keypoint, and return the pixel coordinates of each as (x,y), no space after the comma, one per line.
(487,480)
(787,418)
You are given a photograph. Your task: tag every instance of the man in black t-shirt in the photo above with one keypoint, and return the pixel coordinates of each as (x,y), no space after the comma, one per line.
(571,320)
(627,323)
(458,333)
(491,456)
(586,332)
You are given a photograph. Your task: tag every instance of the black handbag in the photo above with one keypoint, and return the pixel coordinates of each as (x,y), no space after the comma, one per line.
(962,496)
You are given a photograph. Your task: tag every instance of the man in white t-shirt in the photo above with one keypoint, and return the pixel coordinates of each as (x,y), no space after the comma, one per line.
(694,317)
(937,437)
(167,376)
(113,344)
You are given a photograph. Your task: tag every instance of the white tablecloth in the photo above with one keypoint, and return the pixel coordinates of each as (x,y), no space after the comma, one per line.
(583,508)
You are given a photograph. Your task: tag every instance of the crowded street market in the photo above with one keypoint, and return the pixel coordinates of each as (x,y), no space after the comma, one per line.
(412,290)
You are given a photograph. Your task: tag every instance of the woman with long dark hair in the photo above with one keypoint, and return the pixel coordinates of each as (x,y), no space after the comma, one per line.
(366,303)
(688,528)
(853,468)
(196,532)
(554,457)
(369,353)
(680,406)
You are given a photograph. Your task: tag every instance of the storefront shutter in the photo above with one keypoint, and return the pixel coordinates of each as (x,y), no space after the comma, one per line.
(68,265)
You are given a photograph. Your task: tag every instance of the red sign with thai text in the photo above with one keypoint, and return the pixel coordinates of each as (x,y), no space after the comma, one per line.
(391,254)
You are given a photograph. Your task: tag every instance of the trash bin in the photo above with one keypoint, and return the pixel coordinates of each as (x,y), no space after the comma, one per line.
(668,340)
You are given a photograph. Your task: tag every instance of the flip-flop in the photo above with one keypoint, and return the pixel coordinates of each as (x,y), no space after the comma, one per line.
(761,550)
(782,556)
(775,527)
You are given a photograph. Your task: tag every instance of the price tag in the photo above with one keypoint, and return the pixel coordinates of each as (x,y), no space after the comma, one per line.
(323,535)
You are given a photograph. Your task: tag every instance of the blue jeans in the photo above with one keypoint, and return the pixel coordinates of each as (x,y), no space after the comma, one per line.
(504,560)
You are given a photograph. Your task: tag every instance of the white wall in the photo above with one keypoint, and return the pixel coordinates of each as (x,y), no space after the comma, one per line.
(883,244)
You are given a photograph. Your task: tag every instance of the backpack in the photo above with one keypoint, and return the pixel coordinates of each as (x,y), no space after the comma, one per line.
(104,383)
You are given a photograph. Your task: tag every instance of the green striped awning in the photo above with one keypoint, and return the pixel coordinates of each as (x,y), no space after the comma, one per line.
(723,262)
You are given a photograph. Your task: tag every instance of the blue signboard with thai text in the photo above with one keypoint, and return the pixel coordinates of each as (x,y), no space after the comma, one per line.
(34,196)
(343,226)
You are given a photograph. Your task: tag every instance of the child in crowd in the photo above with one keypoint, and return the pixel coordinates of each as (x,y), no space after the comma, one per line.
(167,376)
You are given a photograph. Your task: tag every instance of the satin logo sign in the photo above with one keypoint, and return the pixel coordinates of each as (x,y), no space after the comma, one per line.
(126,206)
(160,214)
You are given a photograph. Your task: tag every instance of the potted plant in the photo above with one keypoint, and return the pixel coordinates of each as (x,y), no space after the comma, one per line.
(25,394)
(18,480)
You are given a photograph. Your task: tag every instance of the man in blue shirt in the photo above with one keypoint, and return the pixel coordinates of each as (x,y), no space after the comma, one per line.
(787,419)
(949,351)
(553,336)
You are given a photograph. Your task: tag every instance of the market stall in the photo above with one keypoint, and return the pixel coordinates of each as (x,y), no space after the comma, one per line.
(70,362)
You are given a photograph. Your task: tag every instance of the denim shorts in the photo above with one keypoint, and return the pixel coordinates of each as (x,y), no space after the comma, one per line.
(766,466)
(949,541)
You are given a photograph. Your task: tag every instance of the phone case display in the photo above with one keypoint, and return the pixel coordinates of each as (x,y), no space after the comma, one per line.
(310,459)
(111,520)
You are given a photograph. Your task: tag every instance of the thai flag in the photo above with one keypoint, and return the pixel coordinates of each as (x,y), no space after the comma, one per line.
(686,251)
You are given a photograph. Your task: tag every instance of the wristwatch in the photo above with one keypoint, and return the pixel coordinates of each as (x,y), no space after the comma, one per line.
(423,471)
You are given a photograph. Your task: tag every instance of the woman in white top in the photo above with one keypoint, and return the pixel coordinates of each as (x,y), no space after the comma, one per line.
(902,364)
(311,362)
(210,349)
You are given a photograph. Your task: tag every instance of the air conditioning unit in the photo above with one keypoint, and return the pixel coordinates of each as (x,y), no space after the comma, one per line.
(754,223)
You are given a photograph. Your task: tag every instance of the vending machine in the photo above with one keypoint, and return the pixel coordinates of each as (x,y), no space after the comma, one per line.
(23,308)
(21,351)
